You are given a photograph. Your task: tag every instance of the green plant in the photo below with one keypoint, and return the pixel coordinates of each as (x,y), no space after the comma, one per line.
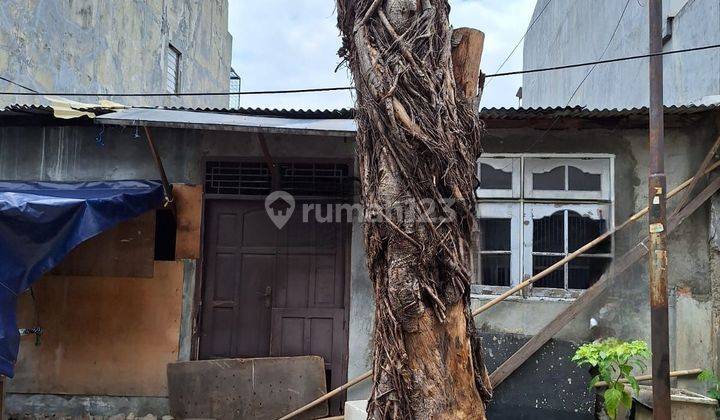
(713,383)
(613,360)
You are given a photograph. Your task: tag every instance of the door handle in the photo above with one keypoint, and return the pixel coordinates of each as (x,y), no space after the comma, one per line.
(268,296)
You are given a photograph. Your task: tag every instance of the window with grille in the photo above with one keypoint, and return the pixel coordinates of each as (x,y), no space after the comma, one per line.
(237,178)
(534,210)
(172,69)
(299,179)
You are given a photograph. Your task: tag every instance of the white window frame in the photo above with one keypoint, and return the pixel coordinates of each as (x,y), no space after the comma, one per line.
(504,210)
(532,211)
(534,165)
(500,162)
(498,206)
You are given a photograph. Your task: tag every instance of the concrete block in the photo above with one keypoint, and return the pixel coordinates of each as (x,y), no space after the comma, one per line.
(355,410)
(262,388)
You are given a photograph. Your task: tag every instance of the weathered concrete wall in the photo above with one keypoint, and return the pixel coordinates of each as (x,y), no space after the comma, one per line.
(72,153)
(114,46)
(575,31)
(362,307)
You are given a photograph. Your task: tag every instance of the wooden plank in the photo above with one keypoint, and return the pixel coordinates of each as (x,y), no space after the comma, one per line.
(2,397)
(189,202)
(709,157)
(128,250)
(595,291)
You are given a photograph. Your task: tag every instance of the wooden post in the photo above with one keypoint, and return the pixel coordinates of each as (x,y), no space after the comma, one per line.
(467,49)
(2,397)
(657,220)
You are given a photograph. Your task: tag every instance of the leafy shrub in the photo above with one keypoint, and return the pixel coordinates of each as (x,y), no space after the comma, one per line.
(713,383)
(614,361)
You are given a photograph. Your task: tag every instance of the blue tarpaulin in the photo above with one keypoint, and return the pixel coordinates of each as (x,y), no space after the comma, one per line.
(41,222)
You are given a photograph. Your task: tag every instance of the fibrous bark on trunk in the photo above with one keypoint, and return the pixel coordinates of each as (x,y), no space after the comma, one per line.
(417,143)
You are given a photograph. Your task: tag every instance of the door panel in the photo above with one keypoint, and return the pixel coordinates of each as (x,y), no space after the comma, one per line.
(254,298)
(315,331)
(270,292)
(240,269)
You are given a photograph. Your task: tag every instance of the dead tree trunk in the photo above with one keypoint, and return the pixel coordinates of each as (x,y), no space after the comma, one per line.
(417,142)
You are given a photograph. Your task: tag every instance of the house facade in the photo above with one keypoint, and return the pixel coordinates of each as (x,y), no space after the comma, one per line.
(226,281)
(569,32)
(88,46)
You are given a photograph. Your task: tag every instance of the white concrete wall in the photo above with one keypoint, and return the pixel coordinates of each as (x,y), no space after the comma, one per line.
(576,31)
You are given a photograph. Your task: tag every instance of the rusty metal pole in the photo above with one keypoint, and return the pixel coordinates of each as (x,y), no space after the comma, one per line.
(658,225)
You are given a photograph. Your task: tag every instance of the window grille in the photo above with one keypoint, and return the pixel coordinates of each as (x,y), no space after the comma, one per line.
(237,178)
(315,179)
(298,179)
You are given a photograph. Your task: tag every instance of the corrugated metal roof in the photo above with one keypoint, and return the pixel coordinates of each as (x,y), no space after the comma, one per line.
(224,121)
(582,112)
(347,113)
(485,113)
(329,114)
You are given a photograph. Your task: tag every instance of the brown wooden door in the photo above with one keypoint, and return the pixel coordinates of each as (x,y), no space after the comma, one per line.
(274,292)
(240,263)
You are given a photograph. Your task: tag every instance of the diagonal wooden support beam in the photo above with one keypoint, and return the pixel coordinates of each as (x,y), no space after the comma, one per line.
(595,291)
(709,157)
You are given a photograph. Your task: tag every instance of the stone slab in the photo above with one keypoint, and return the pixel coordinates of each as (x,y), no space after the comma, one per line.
(262,388)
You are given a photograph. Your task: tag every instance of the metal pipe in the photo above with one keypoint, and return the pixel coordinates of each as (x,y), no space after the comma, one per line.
(657,257)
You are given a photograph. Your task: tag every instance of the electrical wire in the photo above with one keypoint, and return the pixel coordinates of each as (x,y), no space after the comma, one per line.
(329,89)
(18,84)
(598,61)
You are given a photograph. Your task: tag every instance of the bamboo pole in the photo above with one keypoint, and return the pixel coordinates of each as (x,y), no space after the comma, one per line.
(329,395)
(674,374)
(516,288)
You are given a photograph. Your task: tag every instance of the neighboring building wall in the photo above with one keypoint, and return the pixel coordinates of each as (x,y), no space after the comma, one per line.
(576,31)
(115,46)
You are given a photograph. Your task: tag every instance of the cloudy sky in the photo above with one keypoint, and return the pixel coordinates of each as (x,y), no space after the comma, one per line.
(292,44)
